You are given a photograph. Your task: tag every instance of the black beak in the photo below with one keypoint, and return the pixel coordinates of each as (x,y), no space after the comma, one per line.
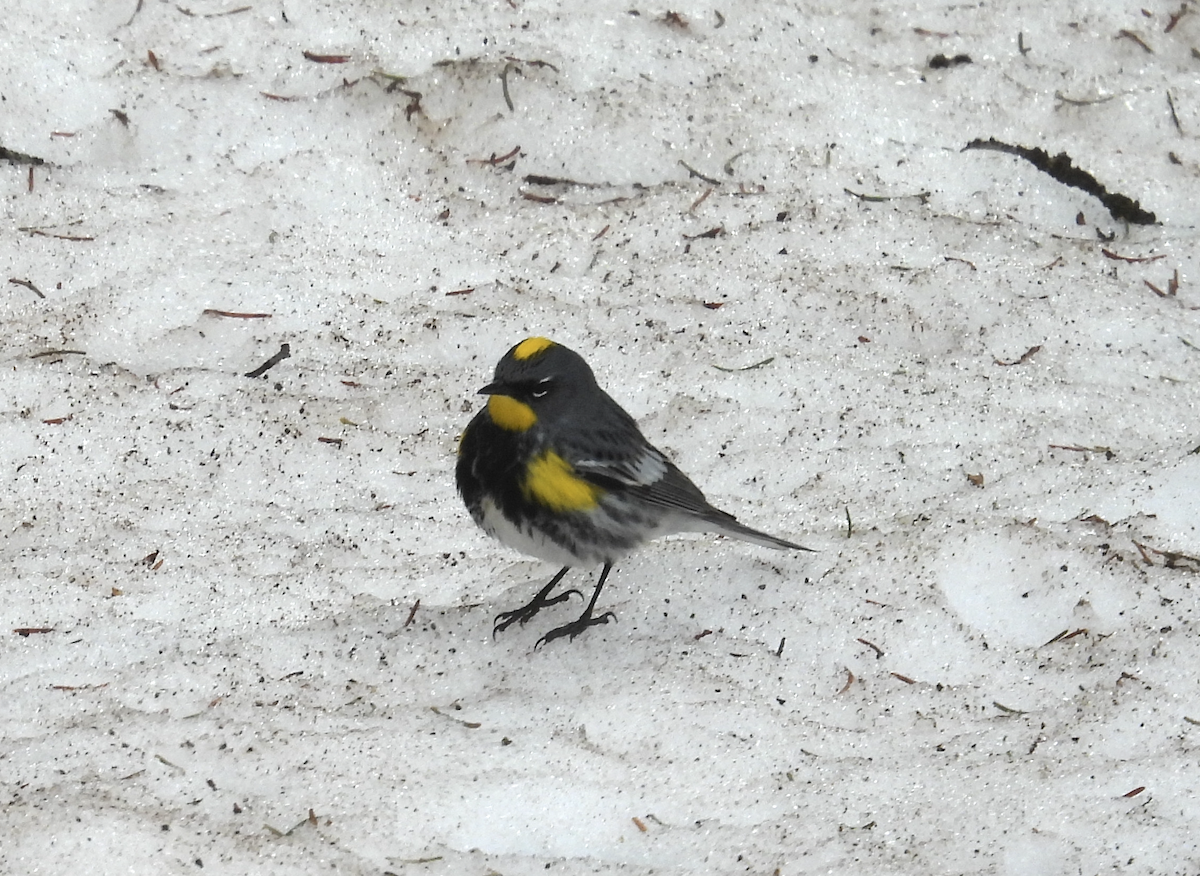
(492,389)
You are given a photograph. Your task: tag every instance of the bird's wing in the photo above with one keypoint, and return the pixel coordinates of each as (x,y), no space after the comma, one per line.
(653,478)
(651,475)
(616,456)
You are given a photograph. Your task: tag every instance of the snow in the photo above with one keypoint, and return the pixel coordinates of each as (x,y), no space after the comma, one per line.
(991,650)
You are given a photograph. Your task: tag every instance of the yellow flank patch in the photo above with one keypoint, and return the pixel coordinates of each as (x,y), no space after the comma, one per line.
(551,482)
(510,414)
(530,347)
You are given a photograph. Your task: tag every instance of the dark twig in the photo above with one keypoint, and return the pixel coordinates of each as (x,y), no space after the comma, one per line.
(285,350)
(878,651)
(1117,257)
(1060,168)
(535,179)
(19,157)
(28,285)
(318,58)
(1025,357)
(232,314)
(40,233)
(693,172)
(190,14)
(1174,115)
(923,197)
(497,159)
(1080,101)
(1130,35)
(696,203)
(504,83)
(1175,16)
(751,367)
(532,62)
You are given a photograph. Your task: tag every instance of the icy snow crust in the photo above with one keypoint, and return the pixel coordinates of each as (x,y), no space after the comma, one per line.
(222,666)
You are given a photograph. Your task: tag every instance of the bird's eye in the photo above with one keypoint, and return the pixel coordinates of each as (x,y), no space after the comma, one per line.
(543,387)
(539,393)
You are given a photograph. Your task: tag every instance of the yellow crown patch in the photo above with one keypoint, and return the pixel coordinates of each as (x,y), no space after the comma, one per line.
(531,347)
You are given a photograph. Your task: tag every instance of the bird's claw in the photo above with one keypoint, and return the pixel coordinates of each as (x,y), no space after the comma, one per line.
(574,628)
(506,619)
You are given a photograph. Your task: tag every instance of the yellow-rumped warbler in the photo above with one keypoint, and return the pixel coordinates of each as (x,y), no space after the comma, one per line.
(555,468)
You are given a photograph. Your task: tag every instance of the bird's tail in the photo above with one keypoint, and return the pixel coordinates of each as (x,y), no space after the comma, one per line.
(730,526)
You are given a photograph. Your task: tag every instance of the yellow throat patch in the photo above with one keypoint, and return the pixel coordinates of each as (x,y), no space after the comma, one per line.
(510,414)
(531,347)
(551,482)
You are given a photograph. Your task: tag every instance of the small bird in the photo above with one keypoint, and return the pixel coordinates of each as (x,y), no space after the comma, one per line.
(555,468)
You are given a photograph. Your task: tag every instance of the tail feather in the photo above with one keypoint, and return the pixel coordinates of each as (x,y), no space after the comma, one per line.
(730,526)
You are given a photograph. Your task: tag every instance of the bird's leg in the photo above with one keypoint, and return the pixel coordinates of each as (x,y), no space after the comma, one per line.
(585,620)
(506,619)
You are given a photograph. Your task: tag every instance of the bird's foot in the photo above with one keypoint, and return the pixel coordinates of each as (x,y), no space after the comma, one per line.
(575,627)
(506,619)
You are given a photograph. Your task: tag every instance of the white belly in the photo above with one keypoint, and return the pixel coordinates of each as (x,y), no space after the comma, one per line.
(530,543)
